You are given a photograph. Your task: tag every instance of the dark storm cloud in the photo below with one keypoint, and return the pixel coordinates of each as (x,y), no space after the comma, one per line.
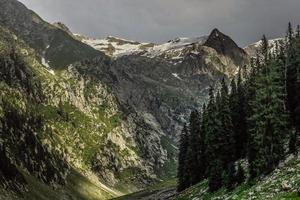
(160,20)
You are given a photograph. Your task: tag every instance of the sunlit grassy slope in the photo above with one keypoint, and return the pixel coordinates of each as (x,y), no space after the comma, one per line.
(77,187)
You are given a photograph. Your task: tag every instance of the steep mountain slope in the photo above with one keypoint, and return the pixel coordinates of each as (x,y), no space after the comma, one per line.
(42,142)
(51,43)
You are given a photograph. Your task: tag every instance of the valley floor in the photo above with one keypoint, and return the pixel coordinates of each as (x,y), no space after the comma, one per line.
(162,190)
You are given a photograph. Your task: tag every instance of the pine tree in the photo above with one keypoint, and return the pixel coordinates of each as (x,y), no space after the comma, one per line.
(290,33)
(227,132)
(196,165)
(250,92)
(292,86)
(214,143)
(227,136)
(204,158)
(241,136)
(235,115)
(183,176)
(264,48)
(279,117)
(291,74)
(238,115)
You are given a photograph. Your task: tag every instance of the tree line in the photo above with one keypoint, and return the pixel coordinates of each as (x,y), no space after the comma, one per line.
(254,120)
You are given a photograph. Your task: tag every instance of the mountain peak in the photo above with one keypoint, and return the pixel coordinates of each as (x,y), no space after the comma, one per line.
(215,32)
(224,45)
(217,35)
(220,42)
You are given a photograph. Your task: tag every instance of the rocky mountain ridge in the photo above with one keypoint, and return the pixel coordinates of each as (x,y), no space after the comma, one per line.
(173,51)
(52,43)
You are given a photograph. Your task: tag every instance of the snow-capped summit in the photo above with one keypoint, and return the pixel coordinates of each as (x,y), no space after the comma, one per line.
(176,51)
(117,47)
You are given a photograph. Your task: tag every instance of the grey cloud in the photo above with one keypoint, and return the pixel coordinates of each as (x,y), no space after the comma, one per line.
(160,20)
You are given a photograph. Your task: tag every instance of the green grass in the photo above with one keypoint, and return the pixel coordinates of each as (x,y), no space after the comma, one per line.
(82,188)
(267,188)
(288,196)
(164,184)
(77,187)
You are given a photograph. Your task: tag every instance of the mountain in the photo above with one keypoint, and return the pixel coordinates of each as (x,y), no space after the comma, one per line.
(79,124)
(173,51)
(150,81)
(218,46)
(55,45)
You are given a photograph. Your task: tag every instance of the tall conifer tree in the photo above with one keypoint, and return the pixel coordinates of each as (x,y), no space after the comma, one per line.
(196,141)
(183,176)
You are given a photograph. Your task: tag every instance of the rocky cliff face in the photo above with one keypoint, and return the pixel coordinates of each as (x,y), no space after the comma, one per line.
(114,120)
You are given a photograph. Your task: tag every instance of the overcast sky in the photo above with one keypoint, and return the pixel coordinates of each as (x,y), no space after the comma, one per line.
(161,20)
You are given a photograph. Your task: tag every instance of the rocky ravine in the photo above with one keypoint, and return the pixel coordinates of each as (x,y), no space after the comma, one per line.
(113,119)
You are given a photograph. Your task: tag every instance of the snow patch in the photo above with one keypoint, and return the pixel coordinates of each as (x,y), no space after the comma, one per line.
(177,44)
(45,63)
(176,76)
(114,46)
(47,66)
(195,52)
